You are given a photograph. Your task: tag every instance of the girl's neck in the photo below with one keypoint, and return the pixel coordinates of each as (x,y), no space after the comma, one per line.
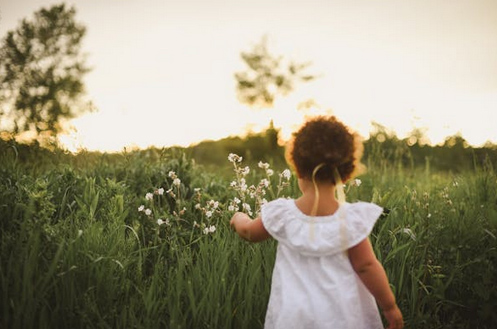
(327,203)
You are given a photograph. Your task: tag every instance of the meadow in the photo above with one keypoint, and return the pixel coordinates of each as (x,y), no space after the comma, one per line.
(142,239)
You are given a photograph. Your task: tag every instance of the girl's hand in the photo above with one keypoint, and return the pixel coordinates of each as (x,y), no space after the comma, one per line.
(237,217)
(394,318)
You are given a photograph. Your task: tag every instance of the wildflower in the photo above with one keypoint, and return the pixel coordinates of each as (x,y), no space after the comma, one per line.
(231,208)
(198,206)
(236,200)
(172,174)
(149,196)
(148,212)
(208,214)
(234,158)
(177,181)
(409,232)
(80,233)
(357,182)
(263,165)
(160,191)
(233,183)
(245,171)
(210,229)
(270,172)
(429,216)
(265,182)
(141,208)
(286,174)
(246,207)
(160,222)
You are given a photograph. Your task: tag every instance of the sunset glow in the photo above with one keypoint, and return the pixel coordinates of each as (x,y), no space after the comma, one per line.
(163,70)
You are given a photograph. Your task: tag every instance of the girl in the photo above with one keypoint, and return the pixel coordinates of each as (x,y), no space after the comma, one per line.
(326,274)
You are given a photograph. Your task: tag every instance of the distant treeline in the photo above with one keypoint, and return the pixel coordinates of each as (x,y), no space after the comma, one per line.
(454,155)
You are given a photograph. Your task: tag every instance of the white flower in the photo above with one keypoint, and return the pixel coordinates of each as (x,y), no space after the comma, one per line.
(263,165)
(232,157)
(236,200)
(265,182)
(160,191)
(141,208)
(287,174)
(149,196)
(198,206)
(148,212)
(246,207)
(245,171)
(215,205)
(231,208)
(208,214)
(210,229)
(409,232)
(80,233)
(263,201)
(177,181)
(160,222)
(233,183)
(357,182)
(269,172)
(172,174)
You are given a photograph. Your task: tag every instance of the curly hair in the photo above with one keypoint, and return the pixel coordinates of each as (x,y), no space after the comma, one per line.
(326,145)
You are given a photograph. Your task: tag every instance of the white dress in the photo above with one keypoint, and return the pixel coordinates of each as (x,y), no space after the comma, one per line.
(314,284)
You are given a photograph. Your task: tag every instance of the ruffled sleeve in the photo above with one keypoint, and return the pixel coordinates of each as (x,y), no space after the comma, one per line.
(321,235)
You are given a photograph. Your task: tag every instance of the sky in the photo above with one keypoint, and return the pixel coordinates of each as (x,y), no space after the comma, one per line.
(163,70)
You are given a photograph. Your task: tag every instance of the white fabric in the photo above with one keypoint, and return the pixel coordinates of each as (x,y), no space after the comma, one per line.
(314,284)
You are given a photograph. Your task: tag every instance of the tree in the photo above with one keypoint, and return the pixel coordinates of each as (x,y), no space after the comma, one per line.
(267,76)
(41,70)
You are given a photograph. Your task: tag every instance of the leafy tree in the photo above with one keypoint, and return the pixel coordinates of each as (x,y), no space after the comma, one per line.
(267,76)
(41,70)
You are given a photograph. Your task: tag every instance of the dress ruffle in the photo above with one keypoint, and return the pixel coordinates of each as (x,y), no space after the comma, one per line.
(319,235)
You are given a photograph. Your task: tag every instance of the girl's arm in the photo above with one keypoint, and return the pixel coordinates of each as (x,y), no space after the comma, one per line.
(248,229)
(373,275)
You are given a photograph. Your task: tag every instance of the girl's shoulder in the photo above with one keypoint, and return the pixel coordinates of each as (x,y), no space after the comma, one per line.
(318,235)
(356,211)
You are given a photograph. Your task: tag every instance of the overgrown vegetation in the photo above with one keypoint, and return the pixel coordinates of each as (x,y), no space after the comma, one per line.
(78,247)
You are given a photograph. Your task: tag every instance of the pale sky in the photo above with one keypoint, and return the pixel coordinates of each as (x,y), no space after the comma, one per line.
(163,70)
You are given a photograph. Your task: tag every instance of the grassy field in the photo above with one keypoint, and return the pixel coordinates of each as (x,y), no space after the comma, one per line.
(141,240)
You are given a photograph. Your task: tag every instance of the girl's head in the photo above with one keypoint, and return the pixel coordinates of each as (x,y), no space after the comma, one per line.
(327,144)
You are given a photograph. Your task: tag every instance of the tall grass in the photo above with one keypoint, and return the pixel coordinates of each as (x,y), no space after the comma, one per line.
(76,252)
